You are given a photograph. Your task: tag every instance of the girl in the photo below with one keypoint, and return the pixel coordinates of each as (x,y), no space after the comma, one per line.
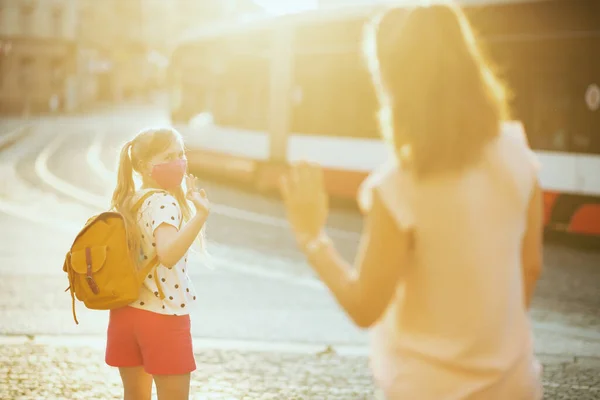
(452,245)
(151,338)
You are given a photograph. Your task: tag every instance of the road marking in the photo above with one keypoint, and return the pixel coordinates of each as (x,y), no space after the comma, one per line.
(18,211)
(41,168)
(262,272)
(14,135)
(93,158)
(16,195)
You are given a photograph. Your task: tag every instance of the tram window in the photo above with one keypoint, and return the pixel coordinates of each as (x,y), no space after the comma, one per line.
(550,128)
(333,94)
(594,145)
(561,119)
(592,96)
(228,78)
(550,123)
(562,122)
(242,93)
(337,96)
(194,75)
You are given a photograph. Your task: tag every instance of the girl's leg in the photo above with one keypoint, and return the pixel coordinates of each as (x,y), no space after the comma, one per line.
(166,346)
(173,387)
(123,351)
(137,384)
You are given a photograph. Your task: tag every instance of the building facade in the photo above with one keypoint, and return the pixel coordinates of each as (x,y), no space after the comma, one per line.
(37,55)
(164,22)
(112,49)
(67,54)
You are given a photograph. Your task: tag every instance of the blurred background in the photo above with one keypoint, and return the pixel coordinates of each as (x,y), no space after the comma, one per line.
(71,54)
(254,85)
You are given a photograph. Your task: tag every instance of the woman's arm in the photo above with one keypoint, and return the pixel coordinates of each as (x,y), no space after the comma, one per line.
(365,292)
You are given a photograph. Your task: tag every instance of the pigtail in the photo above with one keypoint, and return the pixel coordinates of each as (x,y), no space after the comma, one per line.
(122,196)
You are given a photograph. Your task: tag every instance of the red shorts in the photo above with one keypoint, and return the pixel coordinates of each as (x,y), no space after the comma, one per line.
(162,344)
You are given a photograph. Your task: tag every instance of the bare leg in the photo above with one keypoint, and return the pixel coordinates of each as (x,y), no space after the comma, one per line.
(137,384)
(173,387)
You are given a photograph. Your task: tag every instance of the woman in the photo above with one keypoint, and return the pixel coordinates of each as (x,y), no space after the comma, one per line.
(452,245)
(151,338)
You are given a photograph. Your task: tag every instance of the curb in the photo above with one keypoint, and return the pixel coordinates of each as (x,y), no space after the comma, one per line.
(255,346)
(200,344)
(9,139)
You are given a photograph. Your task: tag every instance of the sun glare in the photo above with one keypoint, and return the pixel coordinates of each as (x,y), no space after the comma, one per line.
(287,6)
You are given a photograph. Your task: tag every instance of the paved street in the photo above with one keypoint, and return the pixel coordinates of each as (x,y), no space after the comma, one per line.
(262,315)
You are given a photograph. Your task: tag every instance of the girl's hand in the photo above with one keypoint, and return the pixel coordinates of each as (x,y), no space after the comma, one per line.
(305,198)
(197,197)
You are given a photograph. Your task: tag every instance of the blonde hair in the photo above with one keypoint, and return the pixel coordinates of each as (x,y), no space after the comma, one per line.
(134,154)
(440,102)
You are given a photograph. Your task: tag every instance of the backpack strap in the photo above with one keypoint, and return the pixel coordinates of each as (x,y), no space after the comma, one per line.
(161,294)
(154,262)
(147,193)
(70,273)
(147,268)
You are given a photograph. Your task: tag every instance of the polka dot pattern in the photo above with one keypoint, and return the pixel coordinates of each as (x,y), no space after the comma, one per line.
(174,283)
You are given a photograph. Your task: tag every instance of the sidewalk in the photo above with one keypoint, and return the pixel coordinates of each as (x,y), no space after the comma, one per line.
(38,371)
(30,370)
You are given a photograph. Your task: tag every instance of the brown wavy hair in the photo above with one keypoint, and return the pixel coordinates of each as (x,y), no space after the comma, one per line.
(440,102)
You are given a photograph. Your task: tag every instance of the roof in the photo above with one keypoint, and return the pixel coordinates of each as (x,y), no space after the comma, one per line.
(266,21)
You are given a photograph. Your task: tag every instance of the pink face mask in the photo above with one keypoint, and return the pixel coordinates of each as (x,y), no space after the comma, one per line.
(170,174)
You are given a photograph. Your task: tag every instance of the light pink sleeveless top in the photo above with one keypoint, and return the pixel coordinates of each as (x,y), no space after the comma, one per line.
(458,328)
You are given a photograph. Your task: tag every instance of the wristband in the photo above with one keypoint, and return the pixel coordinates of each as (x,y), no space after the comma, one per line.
(315,244)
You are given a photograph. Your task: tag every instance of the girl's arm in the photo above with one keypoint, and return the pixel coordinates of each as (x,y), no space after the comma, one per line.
(171,240)
(172,245)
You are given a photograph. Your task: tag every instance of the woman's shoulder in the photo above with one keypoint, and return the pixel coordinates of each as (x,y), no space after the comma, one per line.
(390,183)
(385,179)
(514,131)
(514,139)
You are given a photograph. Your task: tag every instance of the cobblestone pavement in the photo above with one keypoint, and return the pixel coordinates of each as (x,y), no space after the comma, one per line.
(35,371)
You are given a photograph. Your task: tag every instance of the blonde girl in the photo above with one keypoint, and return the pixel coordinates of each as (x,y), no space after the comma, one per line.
(150,339)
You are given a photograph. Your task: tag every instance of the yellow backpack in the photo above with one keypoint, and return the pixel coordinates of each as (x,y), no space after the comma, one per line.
(102,273)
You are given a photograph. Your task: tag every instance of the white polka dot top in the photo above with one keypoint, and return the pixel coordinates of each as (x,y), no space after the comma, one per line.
(162,208)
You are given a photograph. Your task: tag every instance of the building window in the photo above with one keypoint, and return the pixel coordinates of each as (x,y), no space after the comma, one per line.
(2,68)
(26,73)
(2,13)
(57,21)
(56,68)
(26,12)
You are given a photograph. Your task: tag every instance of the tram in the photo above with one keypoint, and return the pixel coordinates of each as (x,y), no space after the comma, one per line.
(253,96)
